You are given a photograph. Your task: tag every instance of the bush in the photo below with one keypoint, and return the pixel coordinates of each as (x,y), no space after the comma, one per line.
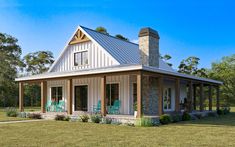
(96,118)
(226,110)
(165,119)
(220,112)
(144,122)
(22,114)
(59,117)
(186,116)
(11,112)
(212,114)
(84,118)
(107,120)
(67,118)
(35,116)
(198,115)
(176,118)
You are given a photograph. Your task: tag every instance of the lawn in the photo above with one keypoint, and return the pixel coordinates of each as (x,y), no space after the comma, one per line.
(207,132)
(3,116)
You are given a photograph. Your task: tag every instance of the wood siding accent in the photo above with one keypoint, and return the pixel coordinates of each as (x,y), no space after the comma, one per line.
(21,96)
(69,96)
(79,37)
(97,57)
(43,96)
(177,95)
(103,95)
(139,95)
(160,95)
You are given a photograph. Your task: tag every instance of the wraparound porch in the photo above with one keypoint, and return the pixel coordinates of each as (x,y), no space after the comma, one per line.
(149,87)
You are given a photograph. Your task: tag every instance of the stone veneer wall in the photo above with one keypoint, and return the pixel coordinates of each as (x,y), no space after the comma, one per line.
(149,99)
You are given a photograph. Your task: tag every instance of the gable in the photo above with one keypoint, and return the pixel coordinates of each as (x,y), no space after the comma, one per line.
(79,42)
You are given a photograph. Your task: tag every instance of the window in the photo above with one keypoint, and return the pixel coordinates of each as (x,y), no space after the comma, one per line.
(80,58)
(112,93)
(167,99)
(56,94)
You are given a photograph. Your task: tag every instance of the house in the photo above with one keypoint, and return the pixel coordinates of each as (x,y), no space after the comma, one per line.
(95,67)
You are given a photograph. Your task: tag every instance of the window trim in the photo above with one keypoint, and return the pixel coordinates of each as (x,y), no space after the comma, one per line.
(74,53)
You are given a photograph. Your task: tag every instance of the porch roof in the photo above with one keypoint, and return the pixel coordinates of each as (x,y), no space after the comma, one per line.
(112,69)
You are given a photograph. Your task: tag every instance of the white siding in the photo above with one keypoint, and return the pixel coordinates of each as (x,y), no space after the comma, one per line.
(94,90)
(97,57)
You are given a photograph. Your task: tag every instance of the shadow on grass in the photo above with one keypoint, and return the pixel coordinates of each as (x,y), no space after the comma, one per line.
(223,120)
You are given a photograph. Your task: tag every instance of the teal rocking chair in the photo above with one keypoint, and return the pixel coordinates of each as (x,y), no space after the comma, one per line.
(60,106)
(48,106)
(97,108)
(115,108)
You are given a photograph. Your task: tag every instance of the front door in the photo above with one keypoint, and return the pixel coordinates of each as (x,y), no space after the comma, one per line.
(81,98)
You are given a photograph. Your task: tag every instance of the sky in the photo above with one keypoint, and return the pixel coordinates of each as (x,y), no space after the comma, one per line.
(201,28)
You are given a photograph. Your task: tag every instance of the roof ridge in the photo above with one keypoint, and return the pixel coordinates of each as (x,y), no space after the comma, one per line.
(109,35)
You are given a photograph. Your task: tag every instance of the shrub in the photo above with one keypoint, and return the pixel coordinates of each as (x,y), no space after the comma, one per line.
(67,118)
(35,116)
(186,116)
(144,122)
(22,114)
(107,120)
(11,112)
(220,112)
(176,118)
(59,117)
(198,115)
(212,114)
(226,110)
(84,118)
(96,118)
(165,119)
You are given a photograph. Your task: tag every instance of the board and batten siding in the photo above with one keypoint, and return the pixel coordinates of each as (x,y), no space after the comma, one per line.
(97,57)
(94,91)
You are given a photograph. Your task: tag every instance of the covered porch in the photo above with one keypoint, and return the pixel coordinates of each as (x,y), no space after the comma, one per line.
(148,92)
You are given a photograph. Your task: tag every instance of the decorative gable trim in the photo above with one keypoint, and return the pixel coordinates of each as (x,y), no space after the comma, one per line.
(79,37)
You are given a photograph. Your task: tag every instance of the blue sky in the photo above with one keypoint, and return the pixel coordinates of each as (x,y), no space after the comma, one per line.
(202,28)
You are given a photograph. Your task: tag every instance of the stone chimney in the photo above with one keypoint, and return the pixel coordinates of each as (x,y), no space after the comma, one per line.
(149,47)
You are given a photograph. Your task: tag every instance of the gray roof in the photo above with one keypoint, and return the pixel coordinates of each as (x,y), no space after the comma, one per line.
(124,52)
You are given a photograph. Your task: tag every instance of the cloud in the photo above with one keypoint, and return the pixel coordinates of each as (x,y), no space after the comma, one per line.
(135,41)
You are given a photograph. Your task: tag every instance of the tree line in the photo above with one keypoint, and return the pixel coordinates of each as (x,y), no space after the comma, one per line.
(13,65)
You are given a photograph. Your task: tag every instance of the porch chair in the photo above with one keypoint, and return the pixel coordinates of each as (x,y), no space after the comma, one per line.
(48,106)
(60,106)
(97,108)
(115,108)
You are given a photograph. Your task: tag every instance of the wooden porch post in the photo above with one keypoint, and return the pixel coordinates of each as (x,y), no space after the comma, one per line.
(69,95)
(194,97)
(201,96)
(160,95)
(103,95)
(139,95)
(43,96)
(177,95)
(190,96)
(217,97)
(21,96)
(210,98)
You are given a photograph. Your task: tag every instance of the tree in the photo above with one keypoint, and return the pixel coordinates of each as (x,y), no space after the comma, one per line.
(190,66)
(38,62)
(10,62)
(166,58)
(121,37)
(224,71)
(101,30)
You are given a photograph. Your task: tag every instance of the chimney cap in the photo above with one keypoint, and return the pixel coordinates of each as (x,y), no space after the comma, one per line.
(148,32)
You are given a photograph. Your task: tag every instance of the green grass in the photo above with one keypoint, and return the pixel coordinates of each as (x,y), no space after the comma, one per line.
(4,118)
(206,132)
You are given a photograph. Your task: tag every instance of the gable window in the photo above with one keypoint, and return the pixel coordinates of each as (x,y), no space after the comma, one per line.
(56,94)
(80,58)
